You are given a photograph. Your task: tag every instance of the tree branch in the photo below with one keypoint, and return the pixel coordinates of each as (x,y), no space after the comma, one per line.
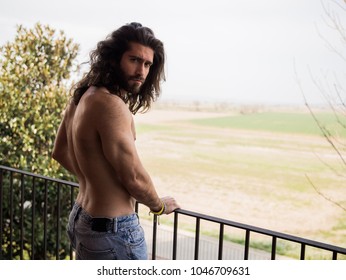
(324,196)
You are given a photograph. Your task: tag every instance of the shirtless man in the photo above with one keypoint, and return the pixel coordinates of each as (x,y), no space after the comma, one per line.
(96,142)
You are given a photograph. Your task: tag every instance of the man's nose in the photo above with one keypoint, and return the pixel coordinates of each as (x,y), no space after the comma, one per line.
(140,70)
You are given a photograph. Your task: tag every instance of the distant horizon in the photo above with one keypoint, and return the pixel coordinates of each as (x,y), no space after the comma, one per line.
(190,104)
(226,51)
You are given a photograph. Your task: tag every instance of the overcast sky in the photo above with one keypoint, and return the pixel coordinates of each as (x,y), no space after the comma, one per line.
(240,51)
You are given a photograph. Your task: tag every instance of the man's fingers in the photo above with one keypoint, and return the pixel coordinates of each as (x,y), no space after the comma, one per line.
(170,204)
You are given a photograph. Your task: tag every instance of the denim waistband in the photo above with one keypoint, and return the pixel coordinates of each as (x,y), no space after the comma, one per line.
(118,222)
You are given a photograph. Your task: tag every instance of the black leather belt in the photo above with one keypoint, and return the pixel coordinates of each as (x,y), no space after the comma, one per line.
(102,224)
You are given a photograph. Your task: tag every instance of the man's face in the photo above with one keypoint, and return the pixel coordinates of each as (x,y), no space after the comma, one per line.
(135,65)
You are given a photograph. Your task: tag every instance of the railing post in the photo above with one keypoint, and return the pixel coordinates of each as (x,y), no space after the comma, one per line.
(302,251)
(11,215)
(33,198)
(71,206)
(1,206)
(198,224)
(221,232)
(136,204)
(175,236)
(45,220)
(153,254)
(273,248)
(22,217)
(247,245)
(57,248)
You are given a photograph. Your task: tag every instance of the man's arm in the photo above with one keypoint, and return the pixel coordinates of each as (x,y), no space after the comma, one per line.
(118,144)
(60,150)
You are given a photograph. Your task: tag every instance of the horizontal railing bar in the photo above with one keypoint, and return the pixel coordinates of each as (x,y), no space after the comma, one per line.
(64,182)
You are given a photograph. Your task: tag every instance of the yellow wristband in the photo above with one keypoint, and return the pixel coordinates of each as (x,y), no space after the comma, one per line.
(161,211)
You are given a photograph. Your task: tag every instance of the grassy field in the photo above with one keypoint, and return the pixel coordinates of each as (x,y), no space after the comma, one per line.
(251,168)
(278,122)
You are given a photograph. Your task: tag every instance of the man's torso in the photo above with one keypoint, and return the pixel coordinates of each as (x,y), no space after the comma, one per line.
(101,193)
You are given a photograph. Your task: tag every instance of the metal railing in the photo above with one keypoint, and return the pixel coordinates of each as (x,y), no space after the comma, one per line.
(34,211)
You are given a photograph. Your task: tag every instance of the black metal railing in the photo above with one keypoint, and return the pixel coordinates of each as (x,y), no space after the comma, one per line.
(248,230)
(34,211)
(33,214)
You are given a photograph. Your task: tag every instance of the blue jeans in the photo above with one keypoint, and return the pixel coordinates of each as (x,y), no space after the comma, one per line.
(119,238)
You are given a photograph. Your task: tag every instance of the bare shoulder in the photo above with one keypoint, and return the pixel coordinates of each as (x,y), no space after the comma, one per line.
(108,110)
(105,102)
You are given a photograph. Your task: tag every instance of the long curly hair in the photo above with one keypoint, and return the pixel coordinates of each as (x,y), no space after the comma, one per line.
(105,67)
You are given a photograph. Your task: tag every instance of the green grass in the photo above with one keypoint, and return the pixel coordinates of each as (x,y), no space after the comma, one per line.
(297,123)
(145,128)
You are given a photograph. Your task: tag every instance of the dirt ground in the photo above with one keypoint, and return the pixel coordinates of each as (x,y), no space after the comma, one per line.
(309,215)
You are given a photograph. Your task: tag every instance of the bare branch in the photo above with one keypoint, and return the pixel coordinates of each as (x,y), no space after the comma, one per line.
(333,93)
(339,90)
(342,175)
(337,110)
(338,4)
(330,46)
(323,195)
(333,21)
(325,132)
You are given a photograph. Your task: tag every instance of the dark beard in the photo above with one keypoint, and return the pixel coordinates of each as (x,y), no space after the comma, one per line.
(124,84)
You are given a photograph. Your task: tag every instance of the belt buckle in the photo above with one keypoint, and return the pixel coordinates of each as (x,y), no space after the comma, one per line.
(100,224)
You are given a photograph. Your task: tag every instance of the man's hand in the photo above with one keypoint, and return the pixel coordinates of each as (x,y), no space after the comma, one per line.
(170,204)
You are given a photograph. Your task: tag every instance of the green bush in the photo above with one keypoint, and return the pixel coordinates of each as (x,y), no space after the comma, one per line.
(35,73)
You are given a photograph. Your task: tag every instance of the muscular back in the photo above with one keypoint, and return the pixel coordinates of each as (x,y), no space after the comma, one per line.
(96,142)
